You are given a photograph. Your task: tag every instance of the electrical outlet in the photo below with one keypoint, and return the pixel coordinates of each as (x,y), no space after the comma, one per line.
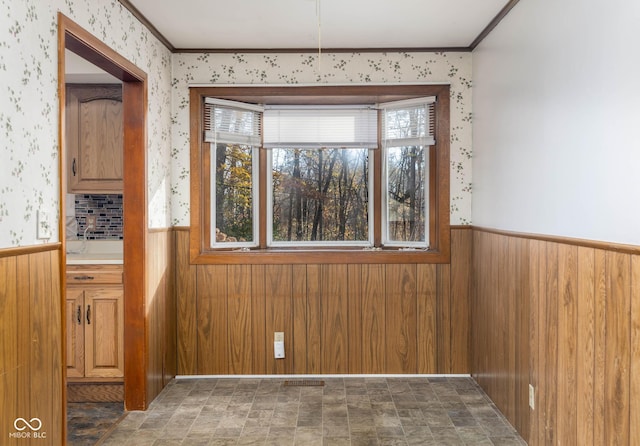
(44,226)
(91,222)
(278,345)
(532,397)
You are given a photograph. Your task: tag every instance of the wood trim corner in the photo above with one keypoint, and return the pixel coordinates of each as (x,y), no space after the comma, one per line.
(492,24)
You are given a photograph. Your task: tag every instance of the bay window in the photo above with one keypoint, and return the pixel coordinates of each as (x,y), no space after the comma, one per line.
(319,174)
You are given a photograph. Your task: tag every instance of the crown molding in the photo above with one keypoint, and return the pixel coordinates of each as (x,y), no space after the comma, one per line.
(493,23)
(326,50)
(484,33)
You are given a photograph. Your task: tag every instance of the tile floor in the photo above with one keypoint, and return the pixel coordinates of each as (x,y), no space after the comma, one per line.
(345,411)
(88,422)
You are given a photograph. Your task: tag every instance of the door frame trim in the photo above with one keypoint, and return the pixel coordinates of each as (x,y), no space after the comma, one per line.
(134,98)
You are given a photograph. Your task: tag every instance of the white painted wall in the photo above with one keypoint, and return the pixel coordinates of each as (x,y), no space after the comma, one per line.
(556,126)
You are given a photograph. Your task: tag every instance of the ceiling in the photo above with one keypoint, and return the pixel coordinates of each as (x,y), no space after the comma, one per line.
(81,71)
(257,25)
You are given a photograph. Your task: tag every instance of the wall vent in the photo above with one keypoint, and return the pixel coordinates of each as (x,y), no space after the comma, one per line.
(303,382)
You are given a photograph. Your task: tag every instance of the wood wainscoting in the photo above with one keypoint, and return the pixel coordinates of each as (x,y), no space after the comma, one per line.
(31,362)
(336,318)
(565,317)
(160,310)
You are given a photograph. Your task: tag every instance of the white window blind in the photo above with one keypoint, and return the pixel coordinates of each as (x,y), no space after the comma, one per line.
(316,127)
(231,122)
(408,123)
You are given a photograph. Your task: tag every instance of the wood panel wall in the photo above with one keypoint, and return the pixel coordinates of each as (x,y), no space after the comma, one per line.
(31,361)
(564,317)
(161,311)
(346,318)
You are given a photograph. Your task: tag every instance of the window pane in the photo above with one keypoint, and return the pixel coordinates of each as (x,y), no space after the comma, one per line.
(320,195)
(407,193)
(233,190)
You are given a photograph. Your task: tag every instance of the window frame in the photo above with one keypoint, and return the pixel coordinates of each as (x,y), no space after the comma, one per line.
(200,248)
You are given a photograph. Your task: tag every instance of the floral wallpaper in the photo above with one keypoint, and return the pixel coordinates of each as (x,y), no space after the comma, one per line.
(332,68)
(29,175)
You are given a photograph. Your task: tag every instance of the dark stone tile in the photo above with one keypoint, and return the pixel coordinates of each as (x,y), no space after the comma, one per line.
(309,421)
(363,430)
(88,422)
(230,422)
(344,441)
(263,404)
(337,416)
(255,431)
(335,430)
(251,441)
(498,428)
(445,433)
(481,410)
(223,442)
(358,411)
(154,423)
(459,412)
(507,441)
(472,434)
(279,441)
(417,434)
(410,404)
(306,436)
(227,432)
(389,431)
(197,440)
(421,442)
(392,442)
(275,431)
(167,442)
(464,421)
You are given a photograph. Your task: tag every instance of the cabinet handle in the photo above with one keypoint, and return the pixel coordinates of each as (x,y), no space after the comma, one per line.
(88,314)
(79,314)
(73,167)
(83,278)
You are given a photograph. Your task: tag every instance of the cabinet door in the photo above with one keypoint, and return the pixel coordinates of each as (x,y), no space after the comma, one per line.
(104,332)
(74,313)
(94,139)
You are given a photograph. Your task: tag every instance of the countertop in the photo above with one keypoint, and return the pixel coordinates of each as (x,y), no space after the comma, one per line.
(94,252)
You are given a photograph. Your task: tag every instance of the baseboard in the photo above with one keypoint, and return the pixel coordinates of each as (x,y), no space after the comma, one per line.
(95,392)
(463,375)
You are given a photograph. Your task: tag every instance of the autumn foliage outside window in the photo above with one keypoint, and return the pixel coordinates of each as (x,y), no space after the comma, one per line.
(318,168)
(320,195)
(326,176)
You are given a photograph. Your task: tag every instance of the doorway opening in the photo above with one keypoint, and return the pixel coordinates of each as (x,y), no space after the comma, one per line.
(72,38)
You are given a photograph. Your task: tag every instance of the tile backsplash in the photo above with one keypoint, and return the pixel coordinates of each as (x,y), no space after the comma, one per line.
(108,212)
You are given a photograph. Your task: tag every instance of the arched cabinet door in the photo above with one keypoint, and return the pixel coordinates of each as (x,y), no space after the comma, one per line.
(94,138)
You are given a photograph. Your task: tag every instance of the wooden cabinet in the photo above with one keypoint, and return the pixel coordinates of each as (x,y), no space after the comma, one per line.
(94,138)
(74,313)
(95,322)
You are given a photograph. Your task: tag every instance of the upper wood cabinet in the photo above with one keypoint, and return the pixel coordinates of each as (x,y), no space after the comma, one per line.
(94,136)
